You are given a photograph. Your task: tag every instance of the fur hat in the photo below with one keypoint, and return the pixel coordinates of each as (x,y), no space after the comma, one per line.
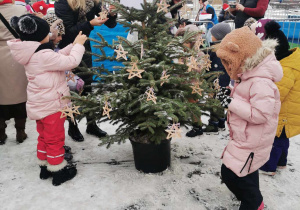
(30,27)
(235,48)
(40,6)
(273,31)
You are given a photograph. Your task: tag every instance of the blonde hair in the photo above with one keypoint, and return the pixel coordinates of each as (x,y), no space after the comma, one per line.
(79,4)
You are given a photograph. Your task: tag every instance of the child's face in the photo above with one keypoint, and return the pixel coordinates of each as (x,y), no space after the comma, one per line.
(57,39)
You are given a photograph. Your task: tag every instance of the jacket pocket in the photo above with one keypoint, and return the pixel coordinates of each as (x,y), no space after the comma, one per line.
(250,158)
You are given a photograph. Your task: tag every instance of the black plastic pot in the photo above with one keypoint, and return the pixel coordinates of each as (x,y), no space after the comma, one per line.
(151,158)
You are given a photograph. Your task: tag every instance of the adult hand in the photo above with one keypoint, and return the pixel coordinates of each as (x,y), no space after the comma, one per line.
(97,21)
(80,39)
(240,7)
(111,8)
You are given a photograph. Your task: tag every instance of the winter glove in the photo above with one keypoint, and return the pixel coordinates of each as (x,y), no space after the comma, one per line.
(226,101)
(223,93)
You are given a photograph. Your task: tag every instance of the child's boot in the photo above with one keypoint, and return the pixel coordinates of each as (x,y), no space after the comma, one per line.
(20,127)
(262,206)
(212,128)
(221,124)
(62,172)
(196,131)
(44,174)
(67,149)
(68,157)
(3,135)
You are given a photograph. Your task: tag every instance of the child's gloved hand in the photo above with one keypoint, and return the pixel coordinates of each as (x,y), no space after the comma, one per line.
(226,101)
(79,85)
(222,93)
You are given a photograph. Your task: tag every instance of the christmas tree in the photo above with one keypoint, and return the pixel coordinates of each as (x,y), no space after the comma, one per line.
(149,97)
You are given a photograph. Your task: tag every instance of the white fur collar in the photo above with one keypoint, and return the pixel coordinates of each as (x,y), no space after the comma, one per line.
(268,47)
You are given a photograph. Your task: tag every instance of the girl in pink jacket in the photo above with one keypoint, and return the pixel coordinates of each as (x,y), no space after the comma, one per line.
(45,71)
(252,112)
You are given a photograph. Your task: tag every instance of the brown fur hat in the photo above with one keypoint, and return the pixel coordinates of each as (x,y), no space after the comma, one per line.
(235,48)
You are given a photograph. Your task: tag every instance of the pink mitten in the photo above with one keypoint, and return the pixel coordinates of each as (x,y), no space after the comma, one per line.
(79,85)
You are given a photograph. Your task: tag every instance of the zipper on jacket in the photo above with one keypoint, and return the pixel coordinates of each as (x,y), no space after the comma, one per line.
(251,155)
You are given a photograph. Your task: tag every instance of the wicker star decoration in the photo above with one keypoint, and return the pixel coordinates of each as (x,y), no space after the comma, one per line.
(199,43)
(192,64)
(216,84)
(206,62)
(174,131)
(103,14)
(106,109)
(185,9)
(69,111)
(162,6)
(196,89)
(164,76)
(121,53)
(151,95)
(134,71)
(70,76)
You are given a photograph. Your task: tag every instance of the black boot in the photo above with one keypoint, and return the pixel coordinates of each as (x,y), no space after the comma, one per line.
(45,174)
(62,172)
(68,157)
(221,124)
(20,127)
(93,129)
(212,128)
(196,131)
(3,135)
(74,132)
(67,149)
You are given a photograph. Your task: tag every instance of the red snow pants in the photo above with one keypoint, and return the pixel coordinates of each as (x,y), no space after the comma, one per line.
(51,139)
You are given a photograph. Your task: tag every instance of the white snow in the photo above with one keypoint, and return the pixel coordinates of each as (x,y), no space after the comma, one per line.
(99,185)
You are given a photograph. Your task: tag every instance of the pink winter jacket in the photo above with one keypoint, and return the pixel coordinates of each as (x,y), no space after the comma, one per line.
(253,117)
(45,71)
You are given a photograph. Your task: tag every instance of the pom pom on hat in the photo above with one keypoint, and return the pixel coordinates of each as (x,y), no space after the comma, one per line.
(27,25)
(40,6)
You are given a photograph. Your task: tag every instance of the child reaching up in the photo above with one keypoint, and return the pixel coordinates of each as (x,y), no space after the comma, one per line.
(252,112)
(45,71)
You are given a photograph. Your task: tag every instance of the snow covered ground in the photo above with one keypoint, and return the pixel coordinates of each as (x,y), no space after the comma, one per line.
(108,180)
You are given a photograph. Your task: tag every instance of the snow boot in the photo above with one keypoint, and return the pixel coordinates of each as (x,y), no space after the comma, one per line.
(3,135)
(262,206)
(212,128)
(62,172)
(93,129)
(221,124)
(67,149)
(196,131)
(20,127)
(74,131)
(68,157)
(44,174)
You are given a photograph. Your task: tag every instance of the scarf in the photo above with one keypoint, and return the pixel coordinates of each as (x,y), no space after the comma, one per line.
(82,12)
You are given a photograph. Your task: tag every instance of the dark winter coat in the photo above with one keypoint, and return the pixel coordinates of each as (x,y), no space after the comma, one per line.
(225,16)
(73,27)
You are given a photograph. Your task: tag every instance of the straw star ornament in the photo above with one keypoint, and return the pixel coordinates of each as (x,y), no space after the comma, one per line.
(134,71)
(103,14)
(206,62)
(151,95)
(121,53)
(70,76)
(174,131)
(69,111)
(199,43)
(106,109)
(192,64)
(164,77)
(162,6)
(196,89)
(216,84)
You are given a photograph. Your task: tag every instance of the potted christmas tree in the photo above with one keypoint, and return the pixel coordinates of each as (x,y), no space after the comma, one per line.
(148,98)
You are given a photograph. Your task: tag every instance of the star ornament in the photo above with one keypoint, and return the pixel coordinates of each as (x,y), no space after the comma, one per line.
(199,43)
(134,71)
(174,131)
(216,84)
(162,6)
(192,64)
(196,89)
(69,111)
(106,109)
(103,14)
(151,95)
(70,76)
(206,62)
(164,77)
(121,53)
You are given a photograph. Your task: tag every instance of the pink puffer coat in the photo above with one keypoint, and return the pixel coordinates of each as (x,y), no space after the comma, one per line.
(253,115)
(45,71)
